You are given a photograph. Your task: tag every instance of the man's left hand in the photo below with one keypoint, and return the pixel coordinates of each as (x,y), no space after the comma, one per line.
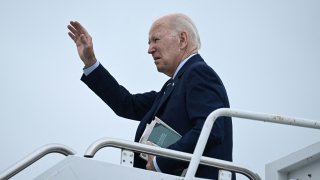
(150,165)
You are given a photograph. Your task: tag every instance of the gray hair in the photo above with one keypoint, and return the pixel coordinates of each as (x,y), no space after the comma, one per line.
(180,22)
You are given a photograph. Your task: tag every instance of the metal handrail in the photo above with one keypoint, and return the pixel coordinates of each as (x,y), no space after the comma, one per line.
(142,148)
(35,156)
(205,132)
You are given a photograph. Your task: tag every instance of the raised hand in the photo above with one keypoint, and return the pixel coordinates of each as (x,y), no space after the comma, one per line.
(83,40)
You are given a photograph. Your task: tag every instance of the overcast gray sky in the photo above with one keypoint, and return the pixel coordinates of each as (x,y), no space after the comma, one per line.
(266,52)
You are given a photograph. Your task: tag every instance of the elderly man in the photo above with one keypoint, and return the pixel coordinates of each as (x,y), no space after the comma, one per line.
(193,91)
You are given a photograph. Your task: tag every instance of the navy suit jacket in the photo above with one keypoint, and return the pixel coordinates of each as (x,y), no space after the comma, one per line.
(197,91)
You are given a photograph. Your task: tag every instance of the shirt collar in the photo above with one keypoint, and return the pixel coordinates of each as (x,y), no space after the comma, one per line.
(181,64)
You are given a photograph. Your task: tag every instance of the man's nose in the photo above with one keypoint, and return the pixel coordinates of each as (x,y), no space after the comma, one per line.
(151,49)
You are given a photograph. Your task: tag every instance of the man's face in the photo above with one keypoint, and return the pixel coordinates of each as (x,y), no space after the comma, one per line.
(164,48)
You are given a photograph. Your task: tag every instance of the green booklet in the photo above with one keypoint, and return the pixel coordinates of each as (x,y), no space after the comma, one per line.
(162,136)
(158,133)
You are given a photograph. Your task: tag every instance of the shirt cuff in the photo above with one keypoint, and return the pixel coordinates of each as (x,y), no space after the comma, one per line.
(155,164)
(87,71)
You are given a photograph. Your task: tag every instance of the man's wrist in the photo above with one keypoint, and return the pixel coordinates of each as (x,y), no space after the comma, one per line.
(91,68)
(89,63)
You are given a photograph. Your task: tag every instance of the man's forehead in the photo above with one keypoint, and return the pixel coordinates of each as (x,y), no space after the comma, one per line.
(158,27)
(155,31)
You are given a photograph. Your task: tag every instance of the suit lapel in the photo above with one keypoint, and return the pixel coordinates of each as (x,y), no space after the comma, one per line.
(167,90)
(163,97)
(166,94)
(170,89)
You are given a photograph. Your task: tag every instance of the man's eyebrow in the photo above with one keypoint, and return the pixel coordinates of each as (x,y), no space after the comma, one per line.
(152,37)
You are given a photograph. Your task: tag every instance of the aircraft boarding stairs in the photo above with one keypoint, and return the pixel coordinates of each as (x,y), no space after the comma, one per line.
(84,168)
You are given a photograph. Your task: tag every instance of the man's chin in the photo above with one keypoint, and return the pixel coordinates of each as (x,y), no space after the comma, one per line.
(159,69)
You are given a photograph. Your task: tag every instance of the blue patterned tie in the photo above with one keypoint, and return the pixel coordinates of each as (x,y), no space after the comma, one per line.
(169,84)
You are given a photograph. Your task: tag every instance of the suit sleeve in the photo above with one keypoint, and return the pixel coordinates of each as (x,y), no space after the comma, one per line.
(204,94)
(117,97)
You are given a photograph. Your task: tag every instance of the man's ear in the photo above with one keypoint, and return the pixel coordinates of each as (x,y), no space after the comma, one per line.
(183,37)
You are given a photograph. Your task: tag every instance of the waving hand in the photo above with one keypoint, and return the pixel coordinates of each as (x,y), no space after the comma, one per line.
(83,40)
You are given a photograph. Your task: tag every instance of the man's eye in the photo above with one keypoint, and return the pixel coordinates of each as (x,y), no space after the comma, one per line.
(156,39)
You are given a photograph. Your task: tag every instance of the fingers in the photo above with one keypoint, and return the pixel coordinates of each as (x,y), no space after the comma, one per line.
(150,157)
(73,30)
(77,29)
(76,32)
(150,165)
(72,36)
